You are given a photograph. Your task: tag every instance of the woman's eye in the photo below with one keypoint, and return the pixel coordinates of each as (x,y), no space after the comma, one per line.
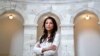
(46,22)
(51,23)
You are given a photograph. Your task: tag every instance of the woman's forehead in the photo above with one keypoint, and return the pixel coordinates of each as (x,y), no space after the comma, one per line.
(49,20)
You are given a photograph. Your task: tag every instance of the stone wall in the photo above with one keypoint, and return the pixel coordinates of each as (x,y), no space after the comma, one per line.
(66,13)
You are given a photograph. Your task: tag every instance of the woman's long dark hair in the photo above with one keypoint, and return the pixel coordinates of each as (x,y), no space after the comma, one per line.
(45,32)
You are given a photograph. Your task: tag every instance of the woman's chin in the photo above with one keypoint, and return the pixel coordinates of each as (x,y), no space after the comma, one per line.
(48,29)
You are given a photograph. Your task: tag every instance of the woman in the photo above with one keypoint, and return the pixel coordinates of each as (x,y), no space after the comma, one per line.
(49,41)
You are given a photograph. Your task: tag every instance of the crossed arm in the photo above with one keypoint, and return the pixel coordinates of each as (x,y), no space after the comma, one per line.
(47,51)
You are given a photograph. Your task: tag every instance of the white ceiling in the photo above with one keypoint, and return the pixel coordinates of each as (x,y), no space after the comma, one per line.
(48,0)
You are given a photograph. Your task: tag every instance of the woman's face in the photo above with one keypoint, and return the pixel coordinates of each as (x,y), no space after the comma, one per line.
(49,25)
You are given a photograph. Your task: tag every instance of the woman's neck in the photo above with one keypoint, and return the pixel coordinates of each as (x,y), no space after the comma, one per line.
(49,33)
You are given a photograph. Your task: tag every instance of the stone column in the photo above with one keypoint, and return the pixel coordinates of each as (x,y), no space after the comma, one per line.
(67,41)
(29,40)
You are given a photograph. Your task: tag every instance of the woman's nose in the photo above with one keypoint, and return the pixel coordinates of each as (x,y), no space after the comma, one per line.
(48,24)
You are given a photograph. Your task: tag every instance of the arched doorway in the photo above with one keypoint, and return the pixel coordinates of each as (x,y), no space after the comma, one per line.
(40,23)
(86,34)
(11,30)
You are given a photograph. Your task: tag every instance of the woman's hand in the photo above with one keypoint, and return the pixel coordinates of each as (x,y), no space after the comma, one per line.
(52,47)
(38,45)
(44,49)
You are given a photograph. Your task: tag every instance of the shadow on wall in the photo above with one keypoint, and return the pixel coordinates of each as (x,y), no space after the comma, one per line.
(40,23)
(87,34)
(9,27)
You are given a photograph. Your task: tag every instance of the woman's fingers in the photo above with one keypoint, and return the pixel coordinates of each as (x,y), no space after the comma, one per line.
(53,47)
(38,45)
